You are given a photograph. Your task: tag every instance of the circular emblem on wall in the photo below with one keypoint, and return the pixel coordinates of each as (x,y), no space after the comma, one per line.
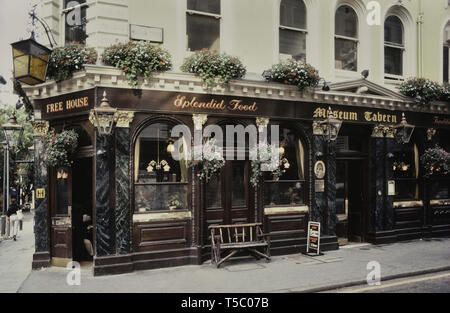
(319,169)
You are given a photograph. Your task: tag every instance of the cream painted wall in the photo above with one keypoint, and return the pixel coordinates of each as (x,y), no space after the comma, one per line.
(249,30)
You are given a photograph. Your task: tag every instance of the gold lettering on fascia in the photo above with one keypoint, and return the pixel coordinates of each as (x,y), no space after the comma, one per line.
(442,121)
(234,105)
(380,118)
(341,115)
(68,105)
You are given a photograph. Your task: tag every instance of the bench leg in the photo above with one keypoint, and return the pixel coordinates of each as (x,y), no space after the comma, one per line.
(227,257)
(267,257)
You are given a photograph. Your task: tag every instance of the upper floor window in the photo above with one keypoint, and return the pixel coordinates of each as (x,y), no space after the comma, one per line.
(446,53)
(346,39)
(393,46)
(75,21)
(203,24)
(293,28)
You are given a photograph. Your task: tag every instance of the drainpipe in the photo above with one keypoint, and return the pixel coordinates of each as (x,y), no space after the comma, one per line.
(420,41)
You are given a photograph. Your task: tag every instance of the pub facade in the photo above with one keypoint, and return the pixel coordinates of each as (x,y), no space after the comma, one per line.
(145,210)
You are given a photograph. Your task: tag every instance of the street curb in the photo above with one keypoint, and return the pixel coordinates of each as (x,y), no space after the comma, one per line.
(364,282)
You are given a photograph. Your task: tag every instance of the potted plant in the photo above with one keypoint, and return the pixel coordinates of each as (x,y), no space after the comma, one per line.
(435,162)
(211,66)
(266,158)
(423,90)
(296,73)
(58,148)
(211,160)
(64,61)
(137,59)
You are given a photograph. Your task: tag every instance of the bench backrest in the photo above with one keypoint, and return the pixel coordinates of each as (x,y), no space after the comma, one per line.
(237,233)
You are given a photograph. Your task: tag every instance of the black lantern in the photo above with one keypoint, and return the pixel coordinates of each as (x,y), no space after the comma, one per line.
(30,61)
(13,132)
(403,131)
(330,126)
(104,117)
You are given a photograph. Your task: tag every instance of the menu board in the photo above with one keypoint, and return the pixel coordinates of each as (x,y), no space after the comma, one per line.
(313,243)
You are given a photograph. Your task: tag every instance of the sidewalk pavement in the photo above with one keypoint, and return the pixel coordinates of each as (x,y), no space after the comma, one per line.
(292,273)
(16,257)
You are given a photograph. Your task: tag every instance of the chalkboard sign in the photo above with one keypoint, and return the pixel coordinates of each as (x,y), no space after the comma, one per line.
(313,244)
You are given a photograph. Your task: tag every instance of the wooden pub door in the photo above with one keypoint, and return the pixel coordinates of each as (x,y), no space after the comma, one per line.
(228,197)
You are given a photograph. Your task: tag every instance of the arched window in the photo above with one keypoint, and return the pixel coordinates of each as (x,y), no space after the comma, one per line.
(289,188)
(161,183)
(203,24)
(293,28)
(346,39)
(406,171)
(394,46)
(446,43)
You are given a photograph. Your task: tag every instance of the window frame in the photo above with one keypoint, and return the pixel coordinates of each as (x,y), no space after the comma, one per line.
(64,12)
(393,45)
(206,14)
(355,40)
(290,181)
(298,30)
(187,184)
(415,179)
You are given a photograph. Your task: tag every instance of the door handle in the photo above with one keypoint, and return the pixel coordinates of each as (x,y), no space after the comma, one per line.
(346,206)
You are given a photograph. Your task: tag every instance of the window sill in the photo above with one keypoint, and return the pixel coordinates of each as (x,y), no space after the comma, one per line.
(440,202)
(285,210)
(161,216)
(408,204)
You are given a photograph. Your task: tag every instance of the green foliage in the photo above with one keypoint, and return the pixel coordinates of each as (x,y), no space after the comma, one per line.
(66,60)
(296,73)
(209,65)
(424,90)
(435,161)
(137,59)
(266,158)
(211,161)
(59,147)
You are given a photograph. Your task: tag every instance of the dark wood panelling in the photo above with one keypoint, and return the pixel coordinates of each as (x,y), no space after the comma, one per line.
(286,226)
(61,242)
(161,236)
(408,217)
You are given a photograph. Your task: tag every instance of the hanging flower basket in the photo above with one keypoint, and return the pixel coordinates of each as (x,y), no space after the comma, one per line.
(137,59)
(58,148)
(211,161)
(266,158)
(64,61)
(435,162)
(423,90)
(296,73)
(210,66)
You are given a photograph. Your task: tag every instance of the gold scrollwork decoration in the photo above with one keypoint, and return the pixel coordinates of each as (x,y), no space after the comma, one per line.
(40,127)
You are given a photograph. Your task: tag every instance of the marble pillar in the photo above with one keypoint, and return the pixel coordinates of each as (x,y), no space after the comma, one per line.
(42,256)
(330,187)
(103,212)
(122,185)
(389,175)
(319,203)
(377,189)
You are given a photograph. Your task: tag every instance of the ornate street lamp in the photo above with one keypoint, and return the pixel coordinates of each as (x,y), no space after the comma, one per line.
(104,117)
(13,132)
(330,126)
(30,61)
(403,131)
(30,58)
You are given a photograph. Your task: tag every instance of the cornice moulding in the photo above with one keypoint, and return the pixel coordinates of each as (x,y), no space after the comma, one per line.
(110,77)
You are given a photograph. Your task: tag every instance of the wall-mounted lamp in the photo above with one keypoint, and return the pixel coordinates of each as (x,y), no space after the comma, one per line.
(104,117)
(330,126)
(403,131)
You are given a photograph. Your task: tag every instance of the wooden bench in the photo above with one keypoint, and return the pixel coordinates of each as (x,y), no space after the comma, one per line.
(238,237)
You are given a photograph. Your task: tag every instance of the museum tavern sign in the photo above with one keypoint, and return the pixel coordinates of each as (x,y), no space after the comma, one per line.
(368,116)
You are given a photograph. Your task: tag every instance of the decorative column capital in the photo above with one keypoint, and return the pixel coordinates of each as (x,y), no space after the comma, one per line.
(317,128)
(430,133)
(124,118)
(40,128)
(199,120)
(378,131)
(262,123)
(389,131)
